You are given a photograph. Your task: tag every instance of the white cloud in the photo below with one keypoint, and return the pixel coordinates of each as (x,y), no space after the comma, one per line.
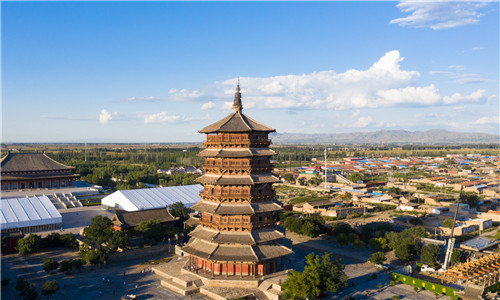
(356,113)
(104,117)
(439,14)
(363,122)
(208,105)
(474,97)
(456,67)
(488,120)
(183,94)
(384,84)
(144,99)
(163,117)
(473,49)
(459,77)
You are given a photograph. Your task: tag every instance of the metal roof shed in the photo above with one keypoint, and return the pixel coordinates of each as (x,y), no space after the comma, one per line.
(28,212)
(142,199)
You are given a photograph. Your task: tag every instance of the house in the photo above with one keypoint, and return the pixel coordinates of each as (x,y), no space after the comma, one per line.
(492,215)
(127,220)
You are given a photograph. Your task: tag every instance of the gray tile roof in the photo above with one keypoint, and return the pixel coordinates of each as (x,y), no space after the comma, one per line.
(133,218)
(236,122)
(22,162)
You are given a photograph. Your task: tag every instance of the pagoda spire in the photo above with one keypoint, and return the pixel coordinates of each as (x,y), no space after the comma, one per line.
(237,106)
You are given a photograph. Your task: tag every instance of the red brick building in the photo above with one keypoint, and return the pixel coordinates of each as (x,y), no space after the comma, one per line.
(21,171)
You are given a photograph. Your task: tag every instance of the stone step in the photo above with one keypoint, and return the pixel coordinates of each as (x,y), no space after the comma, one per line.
(179,289)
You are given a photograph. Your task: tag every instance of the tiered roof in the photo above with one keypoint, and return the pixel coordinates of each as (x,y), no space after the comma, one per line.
(263,241)
(30,162)
(237,121)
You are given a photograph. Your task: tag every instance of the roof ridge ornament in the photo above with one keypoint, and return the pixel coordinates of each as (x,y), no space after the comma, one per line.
(237,106)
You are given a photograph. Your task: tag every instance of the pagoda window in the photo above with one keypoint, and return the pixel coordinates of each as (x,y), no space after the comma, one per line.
(5,186)
(14,186)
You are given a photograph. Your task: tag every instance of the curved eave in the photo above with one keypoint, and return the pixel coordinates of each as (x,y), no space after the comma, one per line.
(237,179)
(236,122)
(236,209)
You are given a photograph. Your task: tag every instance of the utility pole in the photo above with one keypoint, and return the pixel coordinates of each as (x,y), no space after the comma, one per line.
(325,165)
(85,151)
(326,170)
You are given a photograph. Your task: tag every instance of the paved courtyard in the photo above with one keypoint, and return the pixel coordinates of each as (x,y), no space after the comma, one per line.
(88,283)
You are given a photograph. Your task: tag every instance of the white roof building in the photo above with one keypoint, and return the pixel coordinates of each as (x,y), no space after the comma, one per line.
(28,214)
(141,199)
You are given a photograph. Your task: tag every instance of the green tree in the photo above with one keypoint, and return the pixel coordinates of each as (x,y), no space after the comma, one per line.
(119,239)
(430,254)
(406,250)
(5,281)
(357,243)
(355,177)
(447,223)
(49,288)
(497,235)
(456,257)
(30,244)
(152,230)
(302,181)
(178,209)
(99,231)
(78,264)
(31,293)
(320,275)
(22,285)
(470,198)
(53,240)
(69,240)
(415,221)
(378,243)
(377,258)
(50,265)
(342,239)
(315,181)
(289,178)
(66,265)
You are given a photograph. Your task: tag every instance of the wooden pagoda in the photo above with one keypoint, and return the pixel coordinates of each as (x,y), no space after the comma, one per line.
(237,233)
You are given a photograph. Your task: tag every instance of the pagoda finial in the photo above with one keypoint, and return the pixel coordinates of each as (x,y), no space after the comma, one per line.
(237,106)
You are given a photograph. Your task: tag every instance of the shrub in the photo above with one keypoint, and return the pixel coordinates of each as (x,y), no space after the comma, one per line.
(22,285)
(50,265)
(30,244)
(5,281)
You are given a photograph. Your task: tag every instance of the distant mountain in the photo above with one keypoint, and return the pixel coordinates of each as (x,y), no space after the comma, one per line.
(433,136)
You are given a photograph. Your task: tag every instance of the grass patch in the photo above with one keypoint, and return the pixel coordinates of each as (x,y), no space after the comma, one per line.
(157,261)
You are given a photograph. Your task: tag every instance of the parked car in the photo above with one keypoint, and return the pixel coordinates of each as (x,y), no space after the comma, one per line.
(426,268)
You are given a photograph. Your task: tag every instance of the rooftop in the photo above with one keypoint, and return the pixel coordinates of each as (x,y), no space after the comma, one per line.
(23,162)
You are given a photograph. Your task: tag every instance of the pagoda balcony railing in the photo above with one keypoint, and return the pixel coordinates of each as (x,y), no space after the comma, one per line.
(227,225)
(242,143)
(239,195)
(239,169)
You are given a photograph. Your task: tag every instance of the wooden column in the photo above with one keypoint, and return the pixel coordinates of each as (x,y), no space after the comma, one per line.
(227,266)
(213,268)
(253,269)
(241,270)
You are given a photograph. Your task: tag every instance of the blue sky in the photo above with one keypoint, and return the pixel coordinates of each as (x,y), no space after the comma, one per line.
(160,71)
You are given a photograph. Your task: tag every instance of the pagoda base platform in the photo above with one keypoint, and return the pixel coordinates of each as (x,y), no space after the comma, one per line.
(177,278)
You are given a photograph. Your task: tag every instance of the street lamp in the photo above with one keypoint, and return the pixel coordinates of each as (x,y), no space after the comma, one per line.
(326,172)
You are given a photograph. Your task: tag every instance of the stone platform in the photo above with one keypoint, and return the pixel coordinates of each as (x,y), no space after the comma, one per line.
(178,279)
